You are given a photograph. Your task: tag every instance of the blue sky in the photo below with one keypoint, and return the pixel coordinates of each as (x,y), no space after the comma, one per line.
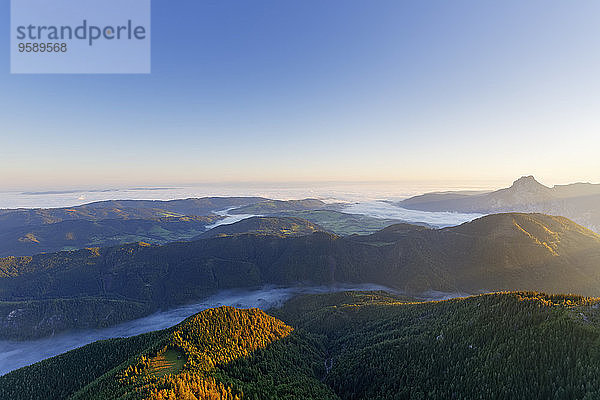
(321,90)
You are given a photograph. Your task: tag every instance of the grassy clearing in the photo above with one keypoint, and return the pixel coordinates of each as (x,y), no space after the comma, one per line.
(168,362)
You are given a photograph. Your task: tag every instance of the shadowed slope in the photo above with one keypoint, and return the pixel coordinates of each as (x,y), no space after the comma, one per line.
(506,345)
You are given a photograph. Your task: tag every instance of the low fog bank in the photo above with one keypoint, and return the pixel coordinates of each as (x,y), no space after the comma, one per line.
(15,355)
(328,191)
(377,209)
(229,218)
(383,209)
(434,295)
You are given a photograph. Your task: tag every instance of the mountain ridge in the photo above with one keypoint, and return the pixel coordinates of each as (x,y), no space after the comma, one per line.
(277,226)
(579,202)
(81,233)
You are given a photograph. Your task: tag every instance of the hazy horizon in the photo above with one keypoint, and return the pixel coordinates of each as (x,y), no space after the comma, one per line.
(51,196)
(434,184)
(327,191)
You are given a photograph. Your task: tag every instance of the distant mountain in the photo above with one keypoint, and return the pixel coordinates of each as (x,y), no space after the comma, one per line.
(579,201)
(341,223)
(111,223)
(361,346)
(278,226)
(107,223)
(498,252)
(78,234)
(121,209)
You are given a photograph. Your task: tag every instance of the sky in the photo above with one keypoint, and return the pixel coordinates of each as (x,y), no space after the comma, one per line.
(312,90)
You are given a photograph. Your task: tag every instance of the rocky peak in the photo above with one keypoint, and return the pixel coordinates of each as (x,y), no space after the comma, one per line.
(527,182)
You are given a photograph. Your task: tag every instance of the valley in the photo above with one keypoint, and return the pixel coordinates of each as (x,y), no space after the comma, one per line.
(17,354)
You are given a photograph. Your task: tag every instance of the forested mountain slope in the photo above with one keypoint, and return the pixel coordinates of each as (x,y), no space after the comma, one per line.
(508,345)
(193,360)
(350,346)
